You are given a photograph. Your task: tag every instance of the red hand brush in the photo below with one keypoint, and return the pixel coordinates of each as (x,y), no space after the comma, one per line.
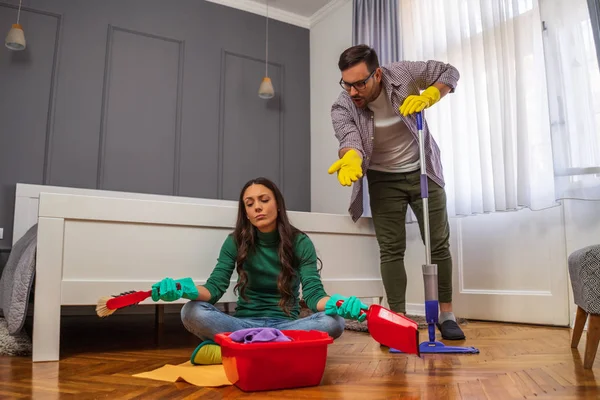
(108,305)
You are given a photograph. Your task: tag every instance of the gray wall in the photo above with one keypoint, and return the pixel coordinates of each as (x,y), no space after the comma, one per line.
(151,96)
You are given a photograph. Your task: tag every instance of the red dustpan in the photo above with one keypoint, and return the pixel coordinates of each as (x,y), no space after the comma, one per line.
(391,329)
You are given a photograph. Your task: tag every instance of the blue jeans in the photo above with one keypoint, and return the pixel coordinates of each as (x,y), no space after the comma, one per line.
(205,321)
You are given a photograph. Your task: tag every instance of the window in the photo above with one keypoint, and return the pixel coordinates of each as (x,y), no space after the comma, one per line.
(573,89)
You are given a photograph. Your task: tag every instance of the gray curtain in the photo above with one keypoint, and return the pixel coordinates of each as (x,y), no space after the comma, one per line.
(375,23)
(594,7)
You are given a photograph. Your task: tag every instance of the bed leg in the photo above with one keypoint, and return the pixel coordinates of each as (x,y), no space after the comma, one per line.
(48,276)
(159,315)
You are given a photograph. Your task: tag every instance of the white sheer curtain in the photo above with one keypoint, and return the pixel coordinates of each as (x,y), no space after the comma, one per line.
(494,131)
(574,94)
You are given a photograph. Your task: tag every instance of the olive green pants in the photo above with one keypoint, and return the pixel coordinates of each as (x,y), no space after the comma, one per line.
(391,194)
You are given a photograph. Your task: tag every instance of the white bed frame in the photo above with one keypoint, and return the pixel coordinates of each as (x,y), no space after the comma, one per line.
(27,202)
(100,243)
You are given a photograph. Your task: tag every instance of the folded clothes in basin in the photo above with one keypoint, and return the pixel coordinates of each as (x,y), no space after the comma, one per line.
(258,335)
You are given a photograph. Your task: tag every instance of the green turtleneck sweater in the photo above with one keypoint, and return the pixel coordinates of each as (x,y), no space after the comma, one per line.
(263,268)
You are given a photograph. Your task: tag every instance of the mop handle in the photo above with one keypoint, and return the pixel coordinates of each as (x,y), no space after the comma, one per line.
(424,188)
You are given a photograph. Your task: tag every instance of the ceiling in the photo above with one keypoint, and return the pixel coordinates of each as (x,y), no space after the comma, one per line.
(304,8)
(304,13)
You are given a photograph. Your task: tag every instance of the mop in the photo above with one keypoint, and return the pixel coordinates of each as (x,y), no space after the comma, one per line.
(430,273)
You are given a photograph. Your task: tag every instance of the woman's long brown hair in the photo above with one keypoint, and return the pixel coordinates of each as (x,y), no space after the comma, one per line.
(245,239)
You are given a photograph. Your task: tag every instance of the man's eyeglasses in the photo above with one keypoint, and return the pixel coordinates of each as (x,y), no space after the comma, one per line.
(360,85)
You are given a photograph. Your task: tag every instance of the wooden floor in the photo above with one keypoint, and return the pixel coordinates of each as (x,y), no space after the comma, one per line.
(516,362)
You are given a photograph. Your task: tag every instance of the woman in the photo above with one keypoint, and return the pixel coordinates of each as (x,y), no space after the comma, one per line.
(272,259)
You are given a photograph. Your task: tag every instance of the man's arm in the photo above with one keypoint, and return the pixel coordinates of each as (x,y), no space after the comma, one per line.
(434,78)
(443,88)
(351,153)
(346,131)
(344,150)
(434,73)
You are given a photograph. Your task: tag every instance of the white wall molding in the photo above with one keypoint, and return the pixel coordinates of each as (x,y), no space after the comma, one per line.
(326,10)
(260,9)
(282,15)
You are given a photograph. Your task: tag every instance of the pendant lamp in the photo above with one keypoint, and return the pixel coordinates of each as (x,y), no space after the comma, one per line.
(265,90)
(15,40)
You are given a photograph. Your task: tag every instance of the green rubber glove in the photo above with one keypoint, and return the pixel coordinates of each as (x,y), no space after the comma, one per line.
(166,290)
(350,308)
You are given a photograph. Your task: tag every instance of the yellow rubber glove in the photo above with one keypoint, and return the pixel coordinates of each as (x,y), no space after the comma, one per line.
(207,353)
(349,168)
(415,104)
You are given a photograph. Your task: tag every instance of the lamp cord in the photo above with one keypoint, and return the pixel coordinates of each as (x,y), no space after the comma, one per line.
(19,12)
(267,41)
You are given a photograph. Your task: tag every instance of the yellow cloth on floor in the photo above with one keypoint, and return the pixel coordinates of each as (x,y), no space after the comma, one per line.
(199,375)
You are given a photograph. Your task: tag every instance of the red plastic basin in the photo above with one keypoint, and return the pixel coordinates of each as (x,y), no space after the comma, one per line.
(275,365)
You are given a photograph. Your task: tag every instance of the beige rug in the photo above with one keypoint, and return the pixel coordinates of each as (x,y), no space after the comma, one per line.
(352,325)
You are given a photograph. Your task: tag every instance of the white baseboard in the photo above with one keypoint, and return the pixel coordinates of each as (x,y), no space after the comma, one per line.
(411,308)
(415,309)
(572,324)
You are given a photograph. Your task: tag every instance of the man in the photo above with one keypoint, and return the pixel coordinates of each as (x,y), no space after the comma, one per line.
(375,123)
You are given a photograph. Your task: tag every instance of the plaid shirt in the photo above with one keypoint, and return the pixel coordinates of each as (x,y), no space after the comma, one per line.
(355,127)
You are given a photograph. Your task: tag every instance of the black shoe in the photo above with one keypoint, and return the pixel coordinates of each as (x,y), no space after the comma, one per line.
(450,330)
